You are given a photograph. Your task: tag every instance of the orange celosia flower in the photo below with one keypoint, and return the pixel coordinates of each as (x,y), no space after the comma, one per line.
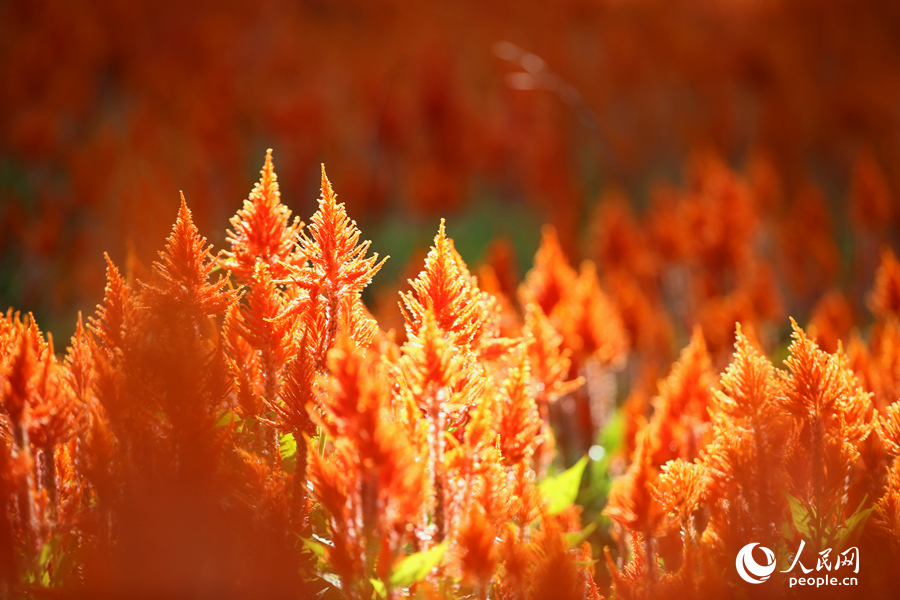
(632,503)
(886,518)
(550,361)
(442,380)
(680,425)
(115,313)
(263,231)
(884,299)
(590,323)
(244,361)
(831,321)
(52,410)
(561,572)
(519,422)
(834,416)
(477,552)
(272,337)
(79,365)
(821,388)
(745,457)
(449,292)
(682,487)
(180,280)
(552,276)
(888,427)
(335,275)
(382,486)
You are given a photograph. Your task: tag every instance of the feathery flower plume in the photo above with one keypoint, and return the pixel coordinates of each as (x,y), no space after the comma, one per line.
(331,281)
(680,426)
(263,232)
(745,458)
(180,279)
(447,289)
(834,416)
(633,506)
(115,314)
(519,423)
(551,278)
(884,299)
(382,491)
(442,380)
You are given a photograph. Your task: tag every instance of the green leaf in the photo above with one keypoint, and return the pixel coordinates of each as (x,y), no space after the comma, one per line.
(561,490)
(610,438)
(858,519)
(69,561)
(287,446)
(613,434)
(576,538)
(853,526)
(48,551)
(226,418)
(317,548)
(379,588)
(801,517)
(416,567)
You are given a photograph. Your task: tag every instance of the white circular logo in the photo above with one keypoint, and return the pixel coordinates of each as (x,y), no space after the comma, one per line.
(750,570)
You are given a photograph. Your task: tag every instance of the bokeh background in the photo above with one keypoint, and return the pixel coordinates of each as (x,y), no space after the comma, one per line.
(601,117)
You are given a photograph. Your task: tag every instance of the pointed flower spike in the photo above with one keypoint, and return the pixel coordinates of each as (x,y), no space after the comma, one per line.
(264,302)
(334,273)
(749,380)
(114,314)
(632,502)
(519,422)
(819,385)
(888,426)
(448,291)
(331,243)
(20,367)
(262,231)
(180,281)
(80,365)
(550,363)
(552,275)
(680,424)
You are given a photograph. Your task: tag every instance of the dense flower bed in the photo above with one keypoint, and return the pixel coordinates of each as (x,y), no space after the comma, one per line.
(239,424)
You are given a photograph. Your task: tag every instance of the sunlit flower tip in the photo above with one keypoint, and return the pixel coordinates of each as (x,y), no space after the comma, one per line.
(180,278)
(262,230)
(327,192)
